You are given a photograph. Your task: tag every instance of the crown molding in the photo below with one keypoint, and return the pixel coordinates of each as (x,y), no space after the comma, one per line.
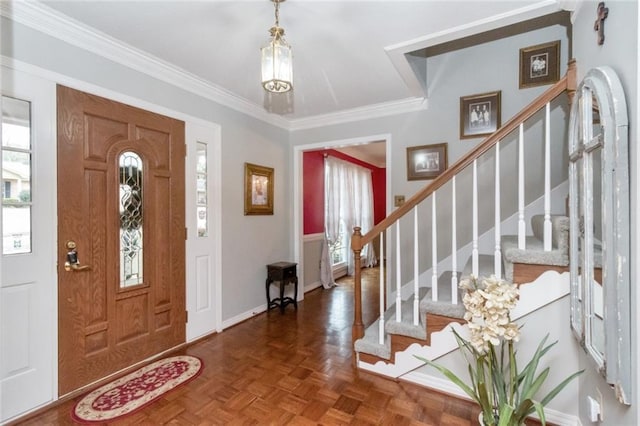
(357,114)
(40,17)
(397,52)
(490,23)
(48,21)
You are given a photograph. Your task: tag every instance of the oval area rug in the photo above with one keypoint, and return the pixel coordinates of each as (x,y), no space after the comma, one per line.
(135,390)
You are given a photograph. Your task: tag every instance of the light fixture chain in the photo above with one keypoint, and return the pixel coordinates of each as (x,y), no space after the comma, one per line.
(277,2)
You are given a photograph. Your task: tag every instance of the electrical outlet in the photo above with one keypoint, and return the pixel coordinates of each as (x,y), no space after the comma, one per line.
(600,402)
(594,409)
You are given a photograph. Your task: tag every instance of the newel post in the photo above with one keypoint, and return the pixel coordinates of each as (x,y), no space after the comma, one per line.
(356,245)
(572,80)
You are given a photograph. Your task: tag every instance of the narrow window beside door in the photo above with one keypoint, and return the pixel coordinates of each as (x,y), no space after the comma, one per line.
(16,176)
(201,189)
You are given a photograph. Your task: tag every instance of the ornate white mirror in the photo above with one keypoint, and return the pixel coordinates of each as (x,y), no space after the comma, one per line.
(599,229)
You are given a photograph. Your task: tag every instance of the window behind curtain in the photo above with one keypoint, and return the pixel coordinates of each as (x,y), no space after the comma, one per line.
(348,203)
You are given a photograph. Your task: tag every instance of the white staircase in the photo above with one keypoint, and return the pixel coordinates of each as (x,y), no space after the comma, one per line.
(432,344)
(429,300)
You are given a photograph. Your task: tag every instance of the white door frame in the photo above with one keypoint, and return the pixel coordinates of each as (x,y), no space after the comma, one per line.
(298,176)
(203,260)
(54,78)
(28,296)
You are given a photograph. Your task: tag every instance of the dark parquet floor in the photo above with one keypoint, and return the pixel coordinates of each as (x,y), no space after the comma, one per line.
(294,368)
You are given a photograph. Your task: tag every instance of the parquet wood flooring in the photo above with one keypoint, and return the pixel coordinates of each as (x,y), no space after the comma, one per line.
(294,368)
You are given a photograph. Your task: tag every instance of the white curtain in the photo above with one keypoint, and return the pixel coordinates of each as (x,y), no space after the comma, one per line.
(348,197)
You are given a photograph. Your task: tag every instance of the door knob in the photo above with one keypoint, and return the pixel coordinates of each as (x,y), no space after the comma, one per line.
(72,264)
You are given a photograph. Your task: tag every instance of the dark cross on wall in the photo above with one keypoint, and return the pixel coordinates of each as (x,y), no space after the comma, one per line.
(602,13)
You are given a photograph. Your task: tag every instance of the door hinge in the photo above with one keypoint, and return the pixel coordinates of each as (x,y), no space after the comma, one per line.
(185,150)
(186,316)
(186,233)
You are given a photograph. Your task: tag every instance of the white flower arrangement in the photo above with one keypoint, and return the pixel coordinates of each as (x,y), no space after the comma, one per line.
(488,304)
(505,395)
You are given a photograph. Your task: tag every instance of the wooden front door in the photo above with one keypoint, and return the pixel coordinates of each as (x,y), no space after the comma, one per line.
(121,236)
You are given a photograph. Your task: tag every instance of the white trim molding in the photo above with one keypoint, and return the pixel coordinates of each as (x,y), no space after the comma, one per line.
(398,52)
(369,112)
(39,16)
(313,237)
(42,18)
(446,386)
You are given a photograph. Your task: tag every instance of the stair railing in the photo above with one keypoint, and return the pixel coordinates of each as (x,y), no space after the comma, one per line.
(358,241)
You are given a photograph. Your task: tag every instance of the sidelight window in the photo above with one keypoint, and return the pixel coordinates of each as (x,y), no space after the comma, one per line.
(17,152)
(201,189)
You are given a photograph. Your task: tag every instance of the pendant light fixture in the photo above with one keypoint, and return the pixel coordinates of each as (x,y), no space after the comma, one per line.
(277,60)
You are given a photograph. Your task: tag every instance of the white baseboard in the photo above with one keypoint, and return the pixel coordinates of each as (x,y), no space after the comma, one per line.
(262,308)
(313,237)
(446,386)
(243,316)
(312,286)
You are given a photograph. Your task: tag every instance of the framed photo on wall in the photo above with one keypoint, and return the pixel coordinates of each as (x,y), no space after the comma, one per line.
(479,114)
(540,65)
(426,161)
(258,190)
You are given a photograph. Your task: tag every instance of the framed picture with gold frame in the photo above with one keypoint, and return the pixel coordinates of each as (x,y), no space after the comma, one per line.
(258,190)
(540,64)
(426,161)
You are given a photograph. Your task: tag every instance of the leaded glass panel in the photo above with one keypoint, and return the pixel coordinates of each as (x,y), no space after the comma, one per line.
(131,220)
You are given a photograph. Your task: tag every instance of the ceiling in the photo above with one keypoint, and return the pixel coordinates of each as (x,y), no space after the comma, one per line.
(374,153)
(350,57)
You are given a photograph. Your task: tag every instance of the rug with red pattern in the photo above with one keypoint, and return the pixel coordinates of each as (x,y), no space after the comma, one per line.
(135,390)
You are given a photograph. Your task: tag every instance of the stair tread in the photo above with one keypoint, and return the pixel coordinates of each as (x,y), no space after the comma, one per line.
(534,252)
(369,342)
(405,326)
(443,305)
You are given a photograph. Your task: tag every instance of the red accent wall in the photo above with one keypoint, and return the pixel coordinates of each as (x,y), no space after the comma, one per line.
(313,188)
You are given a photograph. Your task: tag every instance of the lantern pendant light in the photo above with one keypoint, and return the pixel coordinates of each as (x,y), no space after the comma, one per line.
(277,59)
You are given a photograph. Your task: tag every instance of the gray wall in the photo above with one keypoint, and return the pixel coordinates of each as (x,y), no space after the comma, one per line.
(249,242)
(478,69)
(562,359)
(620,51)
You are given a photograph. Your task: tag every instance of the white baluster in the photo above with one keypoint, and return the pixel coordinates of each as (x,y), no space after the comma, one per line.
(497,256)
(416,301)
(522,229)
(547,178)
(398,275)
(382,304)
(434,251)
(474,250)
(454,245)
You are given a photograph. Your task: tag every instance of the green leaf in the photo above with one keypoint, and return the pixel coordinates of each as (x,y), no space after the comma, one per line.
(535,386)
(558,388)
(540,410)
(513,374)
(530,370)
(504,415)
(523,409)
(451,376)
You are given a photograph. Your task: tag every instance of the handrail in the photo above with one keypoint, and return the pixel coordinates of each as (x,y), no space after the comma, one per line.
(566,83)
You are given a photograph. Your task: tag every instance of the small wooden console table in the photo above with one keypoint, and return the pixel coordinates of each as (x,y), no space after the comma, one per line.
(285,273)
